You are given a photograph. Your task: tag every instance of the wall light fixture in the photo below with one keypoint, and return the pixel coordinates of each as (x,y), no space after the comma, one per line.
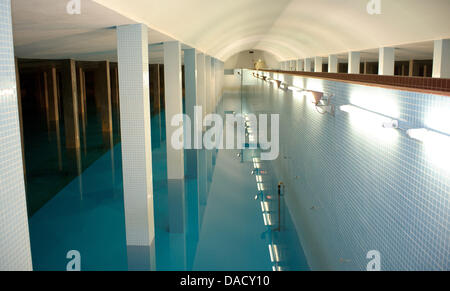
(426,135)
(369,116)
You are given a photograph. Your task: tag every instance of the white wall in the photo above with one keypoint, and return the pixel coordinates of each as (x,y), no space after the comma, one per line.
(15,253)
(246,60)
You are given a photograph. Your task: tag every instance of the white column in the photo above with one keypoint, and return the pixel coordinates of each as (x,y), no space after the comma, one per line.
(221,79)
(208,84)
(301,65)
(190,71)
(132,51)
(201,82)
(201,154)
(213,85)
(386,63)
(354,60)
(318,62)
(175,157)
(441,59)
(308,65)
(332,64)
(192,193)
(15,254)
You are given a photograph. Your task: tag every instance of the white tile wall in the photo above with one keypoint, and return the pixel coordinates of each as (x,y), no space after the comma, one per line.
(132,45)
(15,251)
(353,189)
(174,106)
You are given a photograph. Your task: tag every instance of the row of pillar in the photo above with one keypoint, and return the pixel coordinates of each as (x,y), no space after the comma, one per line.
(203,87)
(71,75)
(131,80)
(386,63)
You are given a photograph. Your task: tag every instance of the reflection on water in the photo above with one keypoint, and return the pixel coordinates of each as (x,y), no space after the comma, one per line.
(76,203)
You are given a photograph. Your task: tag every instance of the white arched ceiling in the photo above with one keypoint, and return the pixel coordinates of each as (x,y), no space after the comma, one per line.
(289,29)
(245,59)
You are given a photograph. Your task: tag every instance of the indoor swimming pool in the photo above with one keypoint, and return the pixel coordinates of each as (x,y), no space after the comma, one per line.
(229,223)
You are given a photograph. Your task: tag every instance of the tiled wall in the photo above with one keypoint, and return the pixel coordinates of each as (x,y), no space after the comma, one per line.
(352,187)
(14,238)
(132,51)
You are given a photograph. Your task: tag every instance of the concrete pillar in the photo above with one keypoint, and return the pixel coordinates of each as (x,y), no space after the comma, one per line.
(132,51)
(20,110)
(201,82)
(201,155)
(441,59)
(190,67)
(103,95)
(208,84)
(213,85)
(155,103)
(301,65)
(53,100)
(53,97)
(115,92)
(175,157)
(192,100)
(70,104)
(46,100)
(15,253)
(308,65)
(333,64)
(217,83)
(411,68)
(162,86)
(386,63)
(221,80)
(38,87)
(354,60)
(318,62)
(81,86)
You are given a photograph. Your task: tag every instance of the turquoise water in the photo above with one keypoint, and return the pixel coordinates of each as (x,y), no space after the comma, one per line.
(225,229)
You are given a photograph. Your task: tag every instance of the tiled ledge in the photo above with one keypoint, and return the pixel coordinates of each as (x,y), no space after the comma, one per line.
(414,84)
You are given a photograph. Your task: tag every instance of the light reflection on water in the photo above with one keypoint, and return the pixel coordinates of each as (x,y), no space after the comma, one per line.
(87,214)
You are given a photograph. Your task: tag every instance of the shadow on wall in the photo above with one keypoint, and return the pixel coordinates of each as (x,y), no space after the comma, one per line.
(254,59)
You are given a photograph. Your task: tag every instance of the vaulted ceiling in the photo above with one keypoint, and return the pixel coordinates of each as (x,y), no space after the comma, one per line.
(289,29)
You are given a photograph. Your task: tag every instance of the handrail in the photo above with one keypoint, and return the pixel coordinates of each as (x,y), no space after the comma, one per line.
(280,185)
